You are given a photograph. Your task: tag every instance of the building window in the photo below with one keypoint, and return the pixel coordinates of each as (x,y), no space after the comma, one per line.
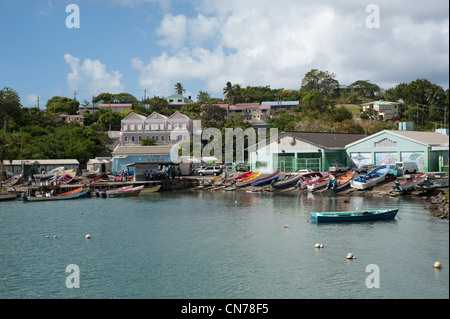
(125,127)
(162,138)
(132,139)
(170,100)
(125,139)
(161,127)
(140,138)
(180,100)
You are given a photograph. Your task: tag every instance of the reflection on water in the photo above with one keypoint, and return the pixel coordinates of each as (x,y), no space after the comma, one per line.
(220,245)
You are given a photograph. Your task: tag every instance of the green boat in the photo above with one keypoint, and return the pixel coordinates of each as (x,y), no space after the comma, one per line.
(381,214)
(129,192)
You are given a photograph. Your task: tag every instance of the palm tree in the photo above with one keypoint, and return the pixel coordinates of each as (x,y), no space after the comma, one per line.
(4,153)
(228,90)
(179,89)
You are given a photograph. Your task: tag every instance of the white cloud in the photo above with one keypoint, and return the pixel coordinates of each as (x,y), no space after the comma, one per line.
(266,42)
(92,75)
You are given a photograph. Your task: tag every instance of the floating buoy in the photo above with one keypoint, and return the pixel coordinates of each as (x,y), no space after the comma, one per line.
(81,213)
(88,236)
(278,213)
(54,236)
(47,236)
(321,246)
(286,226)
(317,245)
(437,265)
(350,256)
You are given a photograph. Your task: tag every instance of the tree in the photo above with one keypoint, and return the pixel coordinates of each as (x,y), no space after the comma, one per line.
(10,107)
(203,97)
(179,89)
(157,104)
(365,88)
(148,142)
(321,81)
(5,153)
(213,116)
(60,104)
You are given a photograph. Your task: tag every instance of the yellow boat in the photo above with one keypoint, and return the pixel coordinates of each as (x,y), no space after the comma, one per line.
(248,180)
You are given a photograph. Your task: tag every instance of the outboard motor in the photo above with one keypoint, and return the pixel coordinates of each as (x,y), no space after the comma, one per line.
(24,197)
(103,193)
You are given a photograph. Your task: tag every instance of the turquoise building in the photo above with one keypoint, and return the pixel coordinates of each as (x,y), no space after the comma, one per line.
(428,149)
(124,155)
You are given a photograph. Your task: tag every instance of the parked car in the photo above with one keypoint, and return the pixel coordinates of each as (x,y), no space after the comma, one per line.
(240,167)
(227,166)
(211,170)
(407,167)
(337,168)
(364,169)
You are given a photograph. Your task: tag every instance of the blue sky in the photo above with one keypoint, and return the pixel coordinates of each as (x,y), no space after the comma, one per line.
(136,45)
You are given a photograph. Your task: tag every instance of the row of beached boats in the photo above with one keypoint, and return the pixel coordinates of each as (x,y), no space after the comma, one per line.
(312,181)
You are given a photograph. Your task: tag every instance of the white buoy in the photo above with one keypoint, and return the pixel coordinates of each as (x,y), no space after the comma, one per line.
(278,213)
(54,236)
(88,236)
(46,236)
(321,246)
(286,226)
(437,265)
(317,245)
(350,256)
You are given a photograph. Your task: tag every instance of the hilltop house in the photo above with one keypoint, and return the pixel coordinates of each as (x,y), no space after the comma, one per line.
(386,110)
(162,129)
(178,101)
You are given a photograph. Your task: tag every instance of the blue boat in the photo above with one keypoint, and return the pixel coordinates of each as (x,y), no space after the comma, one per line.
(267,179)
(365,215)
(375,176)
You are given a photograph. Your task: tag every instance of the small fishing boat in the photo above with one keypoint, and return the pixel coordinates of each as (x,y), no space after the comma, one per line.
(5,195)
(13,180)
(381,214)
(117,190)
(131,192)
(375,176)
(341,181)
(430,185)
(287,181)
(150,190)
(65,179)
(248,180)
(91,172)
(237,178)
(318,184)
(47,196)
(83,193)
(49,174)
(310,178)
(267,179)
(409,185)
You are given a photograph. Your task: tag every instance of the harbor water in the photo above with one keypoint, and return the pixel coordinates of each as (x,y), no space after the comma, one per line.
(220,245)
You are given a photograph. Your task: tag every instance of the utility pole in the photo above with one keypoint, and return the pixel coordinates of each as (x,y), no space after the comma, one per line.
(74,99)
(38,98)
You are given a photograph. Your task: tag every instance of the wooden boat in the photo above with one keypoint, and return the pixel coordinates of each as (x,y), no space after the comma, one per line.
(63,172)
(150,190)
(248,180)
(13,180)
(318,184)
(267,179)
(430,185)
(84,191)
(65,179)
(375,176)
(47,197)
(287,181)
(238,178)
(7,196)
(342,181)
(409,185)
(211,180)
(91,172)
(49,174)
(310,178)
(381,214)
(131,192)
(117,190)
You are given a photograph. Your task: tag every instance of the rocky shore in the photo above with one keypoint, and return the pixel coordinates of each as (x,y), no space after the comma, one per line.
(439,206)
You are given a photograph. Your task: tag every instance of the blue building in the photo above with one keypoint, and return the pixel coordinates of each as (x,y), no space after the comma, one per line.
(124,155)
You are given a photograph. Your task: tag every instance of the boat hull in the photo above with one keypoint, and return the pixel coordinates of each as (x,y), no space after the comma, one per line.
(150,190)
(287,182)
(132,192)
(368,215)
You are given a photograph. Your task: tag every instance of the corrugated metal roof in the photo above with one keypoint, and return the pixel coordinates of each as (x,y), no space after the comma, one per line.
(143,150)
(61,162)
(426,138)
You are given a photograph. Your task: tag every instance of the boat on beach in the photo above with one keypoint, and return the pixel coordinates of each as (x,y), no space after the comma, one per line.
(130,192)
(49,174)
(289,181)
(381,214)
(375,176)
(409,185)
(237,178)
(311,178)
(267,179)
(13,180)
(248,180)
(318,184)
(341,181)
(65,179)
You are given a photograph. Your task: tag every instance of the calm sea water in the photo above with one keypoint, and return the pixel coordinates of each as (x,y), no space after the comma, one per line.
(220,245)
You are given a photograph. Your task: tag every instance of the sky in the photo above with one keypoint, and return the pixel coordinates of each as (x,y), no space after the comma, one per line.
(145,47)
